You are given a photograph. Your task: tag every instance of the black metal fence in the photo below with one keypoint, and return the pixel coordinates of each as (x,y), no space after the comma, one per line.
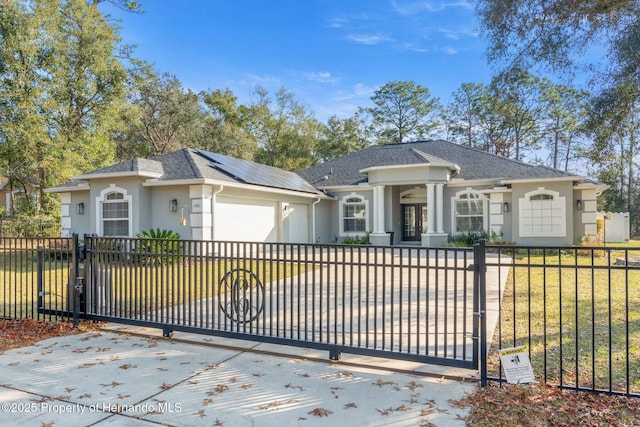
(26,264)
(577,312)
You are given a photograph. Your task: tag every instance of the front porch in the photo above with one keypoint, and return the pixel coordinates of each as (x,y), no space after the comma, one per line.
(412,216)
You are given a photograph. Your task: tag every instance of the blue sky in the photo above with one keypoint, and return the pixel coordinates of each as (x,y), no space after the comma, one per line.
(331,54)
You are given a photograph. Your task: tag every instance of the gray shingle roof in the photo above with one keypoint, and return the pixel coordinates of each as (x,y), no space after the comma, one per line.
(474,164)
(147,166)
(190,164)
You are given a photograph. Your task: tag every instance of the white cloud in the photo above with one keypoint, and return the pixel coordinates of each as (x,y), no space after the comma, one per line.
(457,33)
(450,50)
(368,39)
(429,6)
(322,77)
(360,89)
(255,79)
(414,47)
(337,22)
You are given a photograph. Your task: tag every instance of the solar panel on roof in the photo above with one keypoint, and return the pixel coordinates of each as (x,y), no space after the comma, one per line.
(255,173)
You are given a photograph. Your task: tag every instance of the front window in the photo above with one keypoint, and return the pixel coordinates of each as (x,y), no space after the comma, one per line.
(354,215)
(469,208)
(114,213)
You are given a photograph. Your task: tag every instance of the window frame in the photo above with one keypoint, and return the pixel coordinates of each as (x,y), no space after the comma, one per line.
(104,199)
(463,195)
(353,199)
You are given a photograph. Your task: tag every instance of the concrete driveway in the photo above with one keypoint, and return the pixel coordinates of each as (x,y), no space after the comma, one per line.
(132,376)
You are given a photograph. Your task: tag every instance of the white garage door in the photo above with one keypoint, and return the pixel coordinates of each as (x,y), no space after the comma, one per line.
(245,220)
(298,224)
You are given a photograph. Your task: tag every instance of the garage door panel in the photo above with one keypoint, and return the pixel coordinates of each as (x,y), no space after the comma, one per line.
(298,224)
(244,220)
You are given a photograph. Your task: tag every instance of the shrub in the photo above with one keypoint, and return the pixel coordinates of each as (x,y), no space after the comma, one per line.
(591,241)
(30,226)
(364,240)
(157,247)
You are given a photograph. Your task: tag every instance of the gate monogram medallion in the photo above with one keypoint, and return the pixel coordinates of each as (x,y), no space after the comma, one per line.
(241,295)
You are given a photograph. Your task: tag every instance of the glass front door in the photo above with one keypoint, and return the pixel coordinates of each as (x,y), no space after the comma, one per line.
(414,221)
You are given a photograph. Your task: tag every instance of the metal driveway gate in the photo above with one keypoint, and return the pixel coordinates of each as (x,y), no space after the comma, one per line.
(410,303)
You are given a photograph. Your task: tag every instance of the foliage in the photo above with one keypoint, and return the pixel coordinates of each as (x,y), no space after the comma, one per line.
(357,240)
(28,225)
(62,85)
(165,118)
(226,127)
(127,5)
(515,113)
(469,239)
(564,110)
(614,125)
(285,131)
(516,94)
(559,33)
(157,247)
(402,111)
(463,115)
(340,137)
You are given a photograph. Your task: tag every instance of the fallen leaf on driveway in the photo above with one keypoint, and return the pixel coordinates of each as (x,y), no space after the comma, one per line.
(385,411)
(321,412)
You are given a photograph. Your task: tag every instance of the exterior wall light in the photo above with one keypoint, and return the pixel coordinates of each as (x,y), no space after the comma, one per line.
(505,207)
(173,205)
(80,208)
(579,205)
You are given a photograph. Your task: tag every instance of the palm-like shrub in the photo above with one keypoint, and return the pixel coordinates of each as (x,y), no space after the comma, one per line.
(157,247)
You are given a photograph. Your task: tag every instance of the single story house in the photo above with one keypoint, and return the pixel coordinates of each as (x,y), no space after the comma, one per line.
(421,193)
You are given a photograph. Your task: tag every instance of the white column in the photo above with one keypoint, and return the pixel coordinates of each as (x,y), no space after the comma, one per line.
(439,208)
(378,209)
(431,209)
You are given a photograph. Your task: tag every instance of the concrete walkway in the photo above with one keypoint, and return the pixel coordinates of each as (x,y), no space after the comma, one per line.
(133,377)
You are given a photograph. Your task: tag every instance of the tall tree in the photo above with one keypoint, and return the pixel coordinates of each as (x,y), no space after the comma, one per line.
(285,131)
(166,118)
(465,114)
(402,111)
(564,111)
(615,155)
(341,136)
(517,94)
(559,32)
(76,86)
(225,126)
(22,126)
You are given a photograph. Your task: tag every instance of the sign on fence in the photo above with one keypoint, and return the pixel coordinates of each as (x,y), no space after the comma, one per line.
(517,365)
